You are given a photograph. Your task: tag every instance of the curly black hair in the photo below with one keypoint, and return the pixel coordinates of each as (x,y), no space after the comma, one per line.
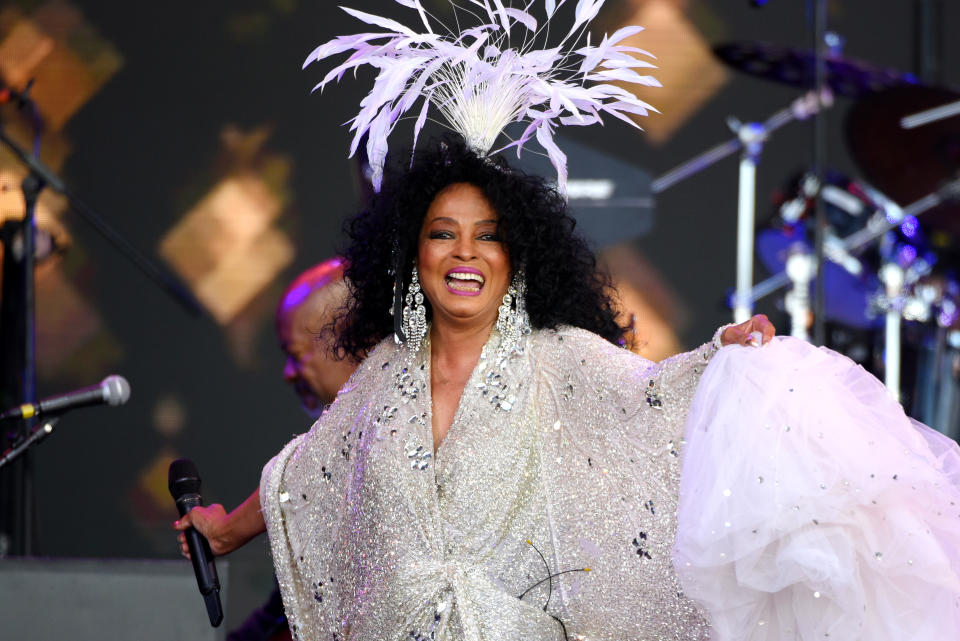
(564,286)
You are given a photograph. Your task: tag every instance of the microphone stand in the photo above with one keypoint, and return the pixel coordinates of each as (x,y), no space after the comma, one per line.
(18,502)
(154,272)
(38,434)
(20,499)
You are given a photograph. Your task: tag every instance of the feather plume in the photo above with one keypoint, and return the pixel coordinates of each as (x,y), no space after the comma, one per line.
(479,83)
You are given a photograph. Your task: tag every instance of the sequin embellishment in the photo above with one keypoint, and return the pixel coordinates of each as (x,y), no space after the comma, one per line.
(418,455)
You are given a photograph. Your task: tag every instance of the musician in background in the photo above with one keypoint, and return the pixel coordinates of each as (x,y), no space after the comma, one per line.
(305,333)
(304,329)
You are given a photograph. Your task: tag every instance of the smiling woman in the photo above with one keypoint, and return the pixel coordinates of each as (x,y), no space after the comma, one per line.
(531,227)
(500,471)
(464,268)
(507,472)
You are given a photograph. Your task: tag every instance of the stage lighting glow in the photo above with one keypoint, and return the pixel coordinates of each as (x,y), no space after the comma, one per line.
(910,226)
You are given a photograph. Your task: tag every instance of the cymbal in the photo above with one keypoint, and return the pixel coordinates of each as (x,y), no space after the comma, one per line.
(847,77)
(907,164)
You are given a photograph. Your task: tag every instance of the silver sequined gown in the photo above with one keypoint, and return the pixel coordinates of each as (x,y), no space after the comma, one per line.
(558,481)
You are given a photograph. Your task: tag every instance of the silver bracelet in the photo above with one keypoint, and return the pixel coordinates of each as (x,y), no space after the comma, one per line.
(718,335)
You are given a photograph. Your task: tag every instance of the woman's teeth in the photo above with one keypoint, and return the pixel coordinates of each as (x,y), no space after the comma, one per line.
(464,281)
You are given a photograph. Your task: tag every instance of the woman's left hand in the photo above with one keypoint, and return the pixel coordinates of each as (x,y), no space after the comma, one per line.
(755,332)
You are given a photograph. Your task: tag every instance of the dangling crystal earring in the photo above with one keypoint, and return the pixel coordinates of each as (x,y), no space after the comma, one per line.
(414,324)
(512,319)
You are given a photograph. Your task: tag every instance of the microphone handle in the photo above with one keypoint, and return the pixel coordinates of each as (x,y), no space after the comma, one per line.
(202,559)
(81,398)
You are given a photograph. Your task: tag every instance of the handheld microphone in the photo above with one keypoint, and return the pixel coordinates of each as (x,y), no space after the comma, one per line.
(113,390)
(184,483)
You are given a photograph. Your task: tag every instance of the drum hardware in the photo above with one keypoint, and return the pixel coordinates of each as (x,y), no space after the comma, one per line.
(800,268)
(906,164)
(892,277)
(889,216)
(749,141)
(905,138)
(908,297)
(930,115)
(796,67)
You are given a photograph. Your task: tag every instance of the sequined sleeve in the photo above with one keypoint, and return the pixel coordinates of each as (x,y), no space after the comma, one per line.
(673,381)
(301,491)
(619,377)
(612,426)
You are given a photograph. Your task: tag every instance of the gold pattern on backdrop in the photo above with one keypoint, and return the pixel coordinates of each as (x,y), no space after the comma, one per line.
(686,66)
(227,246)
(68,61)
(645,303)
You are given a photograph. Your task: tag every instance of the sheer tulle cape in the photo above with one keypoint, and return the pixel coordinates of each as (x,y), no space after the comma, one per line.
(812,507)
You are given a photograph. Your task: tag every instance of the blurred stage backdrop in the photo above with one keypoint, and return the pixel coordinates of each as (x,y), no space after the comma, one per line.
(191,127)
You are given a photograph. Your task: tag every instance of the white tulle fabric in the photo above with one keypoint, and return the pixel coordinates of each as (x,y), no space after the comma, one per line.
(812,507)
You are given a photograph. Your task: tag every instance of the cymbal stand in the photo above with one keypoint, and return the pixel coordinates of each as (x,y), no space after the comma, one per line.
(889,216)
(800,268)
(750,140)
(753,136)
(930,115)
(892,277)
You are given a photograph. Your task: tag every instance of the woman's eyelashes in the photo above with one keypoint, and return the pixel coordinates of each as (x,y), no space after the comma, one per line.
(447,235)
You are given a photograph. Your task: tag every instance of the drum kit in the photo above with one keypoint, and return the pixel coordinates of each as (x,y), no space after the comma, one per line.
(891,237)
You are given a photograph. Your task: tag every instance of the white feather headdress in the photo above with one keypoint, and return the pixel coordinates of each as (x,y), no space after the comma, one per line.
(480,83)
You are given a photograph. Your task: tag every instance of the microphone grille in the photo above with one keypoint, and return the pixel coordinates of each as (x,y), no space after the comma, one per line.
(183,478)
(116,390)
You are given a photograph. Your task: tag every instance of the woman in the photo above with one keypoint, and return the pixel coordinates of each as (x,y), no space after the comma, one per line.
(475,487)
(511,481)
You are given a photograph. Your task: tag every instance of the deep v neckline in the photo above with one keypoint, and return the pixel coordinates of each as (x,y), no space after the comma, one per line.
(442,446)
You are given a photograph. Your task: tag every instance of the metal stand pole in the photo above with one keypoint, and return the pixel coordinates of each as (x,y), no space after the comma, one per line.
(31,186)
(37,435)
(931,115)
(800,269)
(749,141)
(752,135)
(928,40)
(819,32)
(892,277)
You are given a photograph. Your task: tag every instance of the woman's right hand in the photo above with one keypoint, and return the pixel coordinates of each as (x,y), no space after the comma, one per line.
(224,532)
(212,522)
